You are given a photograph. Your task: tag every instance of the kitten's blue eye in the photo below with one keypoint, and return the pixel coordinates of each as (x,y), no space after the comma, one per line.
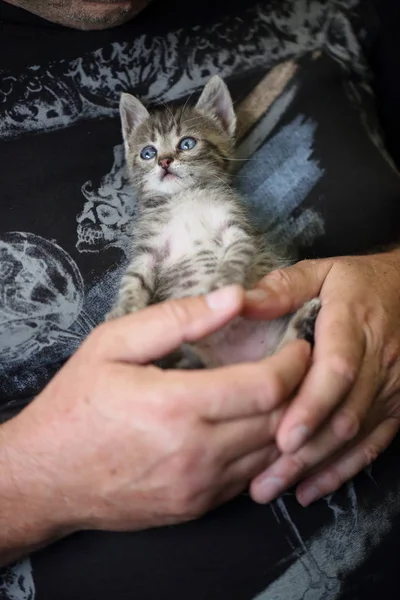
(187,143)
(148,152)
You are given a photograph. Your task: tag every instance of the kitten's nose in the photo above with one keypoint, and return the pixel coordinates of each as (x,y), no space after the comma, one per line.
(165,162)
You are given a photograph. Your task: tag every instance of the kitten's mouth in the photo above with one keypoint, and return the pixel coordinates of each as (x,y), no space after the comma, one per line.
(169,176)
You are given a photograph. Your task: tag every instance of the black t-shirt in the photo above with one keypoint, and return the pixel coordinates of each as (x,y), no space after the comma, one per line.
(67,215)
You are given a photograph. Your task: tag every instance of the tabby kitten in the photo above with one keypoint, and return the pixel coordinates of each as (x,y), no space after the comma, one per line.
(193,233)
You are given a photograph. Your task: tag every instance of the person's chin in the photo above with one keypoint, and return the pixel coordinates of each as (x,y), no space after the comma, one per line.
(84,14)
(105,15)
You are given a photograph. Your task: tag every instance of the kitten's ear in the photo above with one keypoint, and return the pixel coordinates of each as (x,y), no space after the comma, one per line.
(216,101)
(132,113)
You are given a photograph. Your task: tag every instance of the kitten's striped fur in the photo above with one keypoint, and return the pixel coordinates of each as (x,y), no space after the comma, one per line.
(193,233)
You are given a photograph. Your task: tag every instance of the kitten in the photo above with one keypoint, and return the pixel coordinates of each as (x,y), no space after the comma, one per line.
(193,232)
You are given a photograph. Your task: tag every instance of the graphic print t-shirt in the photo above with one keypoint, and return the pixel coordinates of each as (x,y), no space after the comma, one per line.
(67,215)
(66,204)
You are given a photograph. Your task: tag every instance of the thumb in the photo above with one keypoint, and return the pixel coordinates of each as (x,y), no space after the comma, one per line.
(155,331)
(285,290)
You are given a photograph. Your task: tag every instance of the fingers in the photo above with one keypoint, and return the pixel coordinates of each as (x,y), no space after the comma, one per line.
(238,475)
(234,439)
(290,468)
(351,415)
(347,466)
(285,290)
(157,330)
(337,359)
(240,391)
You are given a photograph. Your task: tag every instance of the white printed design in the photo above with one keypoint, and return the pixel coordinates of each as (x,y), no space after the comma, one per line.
(109,211)
(48,97)
(41,297)
(276,181)
(16,582)
(321,562)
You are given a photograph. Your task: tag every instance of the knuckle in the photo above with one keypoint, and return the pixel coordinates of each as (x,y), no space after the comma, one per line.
(97,345)
(297,464)
(174,396)
(330,481)
(347,424)
(104,375)
(343,366)
(170,408)
(275,419)
(281,277)
(370,453)
(275,389)
(98,338)
(194,479)
(187,461)
(373,327)
(191,465)
(269,389)
(177,312)
(391,355)
(95,384)
(190,504)
(191,493)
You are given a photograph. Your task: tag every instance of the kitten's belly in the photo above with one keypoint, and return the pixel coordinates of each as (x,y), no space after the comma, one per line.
(242,341)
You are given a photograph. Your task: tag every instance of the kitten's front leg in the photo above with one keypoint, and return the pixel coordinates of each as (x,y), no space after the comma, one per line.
(239,254)
(137,287)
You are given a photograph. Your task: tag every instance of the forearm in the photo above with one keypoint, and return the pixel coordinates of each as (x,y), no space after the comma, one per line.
(29,511)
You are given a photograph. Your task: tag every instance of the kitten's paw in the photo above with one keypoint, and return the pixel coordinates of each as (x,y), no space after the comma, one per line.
(114,313)
(121,310)
(221,282)
(216,285)
(303,322)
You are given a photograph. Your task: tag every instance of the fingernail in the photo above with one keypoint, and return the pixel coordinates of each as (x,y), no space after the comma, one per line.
(268,489)
(223,298)
(256,296)
(295,438)
(308,495)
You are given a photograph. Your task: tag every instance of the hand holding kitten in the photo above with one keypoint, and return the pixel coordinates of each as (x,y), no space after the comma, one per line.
(347,409)
(116,443)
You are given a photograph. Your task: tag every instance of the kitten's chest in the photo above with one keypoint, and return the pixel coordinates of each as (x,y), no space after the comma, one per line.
(191,226)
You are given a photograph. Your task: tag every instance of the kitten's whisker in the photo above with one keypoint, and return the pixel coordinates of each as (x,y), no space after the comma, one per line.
(169,110)
(242,159)
(219,178)
(185,105)
(210,173)
(191,119)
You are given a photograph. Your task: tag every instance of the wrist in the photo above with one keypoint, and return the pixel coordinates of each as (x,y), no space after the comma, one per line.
(32,511)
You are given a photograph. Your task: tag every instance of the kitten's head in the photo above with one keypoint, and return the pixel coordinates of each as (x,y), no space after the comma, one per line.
(172,149)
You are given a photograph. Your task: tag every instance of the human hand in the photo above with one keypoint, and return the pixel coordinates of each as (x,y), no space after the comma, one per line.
(114,443)
(347,410)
